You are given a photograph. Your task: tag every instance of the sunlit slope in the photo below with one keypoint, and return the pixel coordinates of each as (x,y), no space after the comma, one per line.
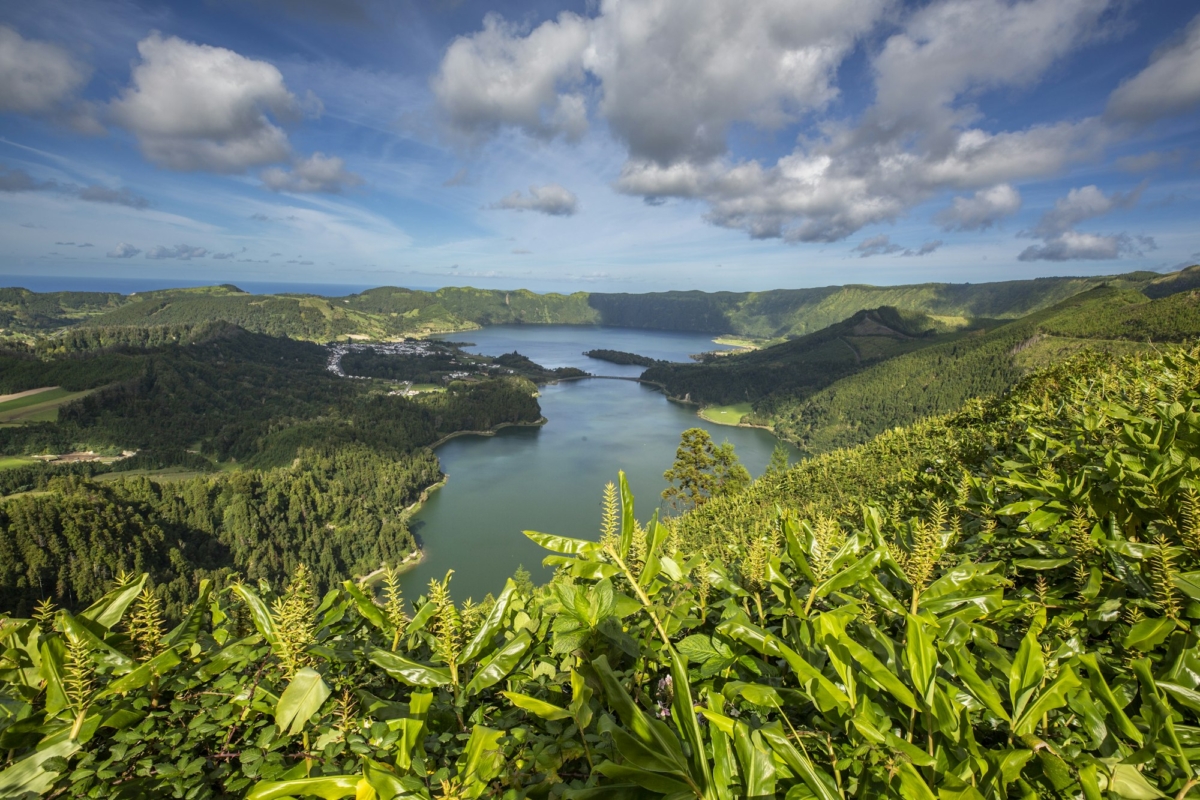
(794,312)
(939,378)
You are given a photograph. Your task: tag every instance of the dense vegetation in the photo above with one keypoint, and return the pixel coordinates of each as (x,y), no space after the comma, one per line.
(440,362)
(245,397)
(800,366)
(621,357)
(340,513)
(996,603)
(390,312)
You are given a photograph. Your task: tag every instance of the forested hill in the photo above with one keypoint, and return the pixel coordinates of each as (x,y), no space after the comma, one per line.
(902,380)
(390,312)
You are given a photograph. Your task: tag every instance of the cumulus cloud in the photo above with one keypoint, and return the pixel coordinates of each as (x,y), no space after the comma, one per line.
(1169,85)
(877,246)
(1077,246)
(980,211)
(43,79)
(317,173)
(673,74)
(1083,204)
(197,107)
(1060,240)
(502,76)
(123,250)
(925,249)
(552,199)
(183,252)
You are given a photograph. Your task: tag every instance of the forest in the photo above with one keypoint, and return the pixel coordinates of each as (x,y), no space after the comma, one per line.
(993,603)
(621,357)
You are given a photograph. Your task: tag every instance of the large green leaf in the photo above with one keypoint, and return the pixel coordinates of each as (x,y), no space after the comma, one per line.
(1051,697)
(651,733)
(824,693)
(628,523)
(683,711)
(366,606)
(563,544)
(330,787)
(878,671)
(818,782)
(302,698)
(411,742)
(101,651)
(109,609)
(654,781)
(259,613)
(187,631)
(539,707)
(1027,671)
(922,657)
(984,692)
(490,625)
(54,656)
(29,777)
(852,575)
(132,681)
(502,662)
(1148,633)
(1102,692)
(408,671)
(481,761)
(754,760)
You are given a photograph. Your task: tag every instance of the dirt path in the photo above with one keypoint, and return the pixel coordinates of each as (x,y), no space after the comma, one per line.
(4,398)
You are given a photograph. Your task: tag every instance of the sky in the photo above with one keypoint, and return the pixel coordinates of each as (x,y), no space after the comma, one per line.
(599,145)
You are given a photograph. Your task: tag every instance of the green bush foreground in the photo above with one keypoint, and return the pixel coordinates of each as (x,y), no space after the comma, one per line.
(997,603)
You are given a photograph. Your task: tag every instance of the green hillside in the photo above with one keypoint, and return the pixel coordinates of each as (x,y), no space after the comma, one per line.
(942,376)
(390,312)
(803,365)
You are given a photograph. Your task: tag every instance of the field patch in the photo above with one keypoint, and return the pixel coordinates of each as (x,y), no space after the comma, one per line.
(40,407)
(726,415)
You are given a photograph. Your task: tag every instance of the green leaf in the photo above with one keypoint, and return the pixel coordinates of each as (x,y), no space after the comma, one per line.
(109,609)
(564,545)
(1148,633)
(683,711)
(500,664)
(984,692)
(922,657)
(188,630)
(654,781)
(408,671)
(1189,697)
(481,761)
(366,606)
(54,656)
(302,698)
(331,787)
(824,693)
(31,775)
(539,707)
(102,652)
(628,523)
(912,785)
(852,575)
(411,742)
(878,671)
(1126,782)
(154,668)
(490,625)
(818,782)
(1028,669)
(259,613)
(1101,690)
(652,734)
(754,759)
(1051,697)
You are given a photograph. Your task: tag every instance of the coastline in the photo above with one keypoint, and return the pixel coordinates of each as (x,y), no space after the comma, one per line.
(489,432)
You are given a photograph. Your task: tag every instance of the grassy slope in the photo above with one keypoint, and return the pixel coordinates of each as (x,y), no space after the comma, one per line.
(26,312)
(941,377)
(389,312)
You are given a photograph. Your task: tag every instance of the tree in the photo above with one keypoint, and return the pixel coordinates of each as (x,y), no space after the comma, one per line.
(779,460)
(702,471)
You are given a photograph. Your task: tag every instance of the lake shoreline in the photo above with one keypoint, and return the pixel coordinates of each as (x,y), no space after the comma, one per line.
(490,431)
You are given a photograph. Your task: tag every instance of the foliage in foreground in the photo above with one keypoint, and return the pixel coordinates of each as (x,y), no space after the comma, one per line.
(1014,618)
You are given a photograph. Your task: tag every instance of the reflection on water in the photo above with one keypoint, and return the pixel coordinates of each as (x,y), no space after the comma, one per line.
(550,478)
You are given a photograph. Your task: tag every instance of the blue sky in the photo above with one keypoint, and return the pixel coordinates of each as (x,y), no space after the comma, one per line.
(605,145)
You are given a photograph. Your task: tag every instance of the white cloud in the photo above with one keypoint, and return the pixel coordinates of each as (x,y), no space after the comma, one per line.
(877,246)
(197,107)
(183,252)
(123,250)
(1077,246)
(1083,204)
(552,199)
(1169,85)
(43,79)
(1060,240)
(317,173)
(502,76)
(1150,160)
(925,249)
(980,211)
(673,75)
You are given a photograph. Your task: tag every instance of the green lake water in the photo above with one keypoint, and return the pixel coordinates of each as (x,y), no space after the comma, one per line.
(551,478)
